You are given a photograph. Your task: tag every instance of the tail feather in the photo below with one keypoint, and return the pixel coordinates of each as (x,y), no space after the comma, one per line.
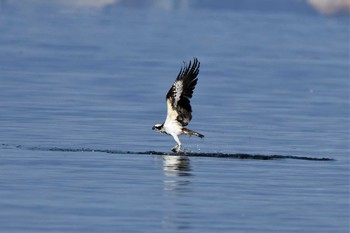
(191,132)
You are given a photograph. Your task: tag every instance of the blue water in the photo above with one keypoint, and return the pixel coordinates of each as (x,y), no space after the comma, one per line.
(274,80)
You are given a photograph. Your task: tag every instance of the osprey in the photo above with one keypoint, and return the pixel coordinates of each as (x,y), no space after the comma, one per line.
(179,111)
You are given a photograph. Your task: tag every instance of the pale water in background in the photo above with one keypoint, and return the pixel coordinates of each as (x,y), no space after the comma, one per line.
(274,79)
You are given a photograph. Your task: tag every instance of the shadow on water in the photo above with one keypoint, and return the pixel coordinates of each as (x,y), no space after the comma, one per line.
(179,155)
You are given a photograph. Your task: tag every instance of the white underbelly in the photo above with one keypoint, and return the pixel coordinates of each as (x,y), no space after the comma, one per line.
(172,128)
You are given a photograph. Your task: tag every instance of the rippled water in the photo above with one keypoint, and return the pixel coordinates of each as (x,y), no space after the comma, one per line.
(78,81)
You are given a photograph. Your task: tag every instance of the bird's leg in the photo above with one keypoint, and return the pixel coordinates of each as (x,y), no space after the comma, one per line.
(176,148)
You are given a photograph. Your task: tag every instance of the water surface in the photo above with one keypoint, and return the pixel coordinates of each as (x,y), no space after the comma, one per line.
(274,80)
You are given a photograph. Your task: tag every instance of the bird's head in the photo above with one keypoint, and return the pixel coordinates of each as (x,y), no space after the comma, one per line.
(158,127)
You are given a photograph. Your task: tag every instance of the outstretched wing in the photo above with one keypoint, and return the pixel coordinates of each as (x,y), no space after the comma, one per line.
(180,93)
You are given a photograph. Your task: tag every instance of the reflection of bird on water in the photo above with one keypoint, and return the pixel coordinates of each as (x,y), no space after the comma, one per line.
(177,165)
(174,168)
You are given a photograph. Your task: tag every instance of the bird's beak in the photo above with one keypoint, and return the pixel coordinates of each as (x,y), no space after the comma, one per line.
(153,128)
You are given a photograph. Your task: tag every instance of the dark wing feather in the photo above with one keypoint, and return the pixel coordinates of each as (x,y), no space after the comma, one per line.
(181,91)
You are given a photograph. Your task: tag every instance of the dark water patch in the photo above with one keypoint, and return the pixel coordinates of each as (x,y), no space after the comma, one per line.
(189,154)
(242,156)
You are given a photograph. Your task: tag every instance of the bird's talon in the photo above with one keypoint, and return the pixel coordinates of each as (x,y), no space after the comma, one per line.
(176,149)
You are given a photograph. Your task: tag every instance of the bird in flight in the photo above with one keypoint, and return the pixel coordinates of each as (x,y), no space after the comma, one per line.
(179,110)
